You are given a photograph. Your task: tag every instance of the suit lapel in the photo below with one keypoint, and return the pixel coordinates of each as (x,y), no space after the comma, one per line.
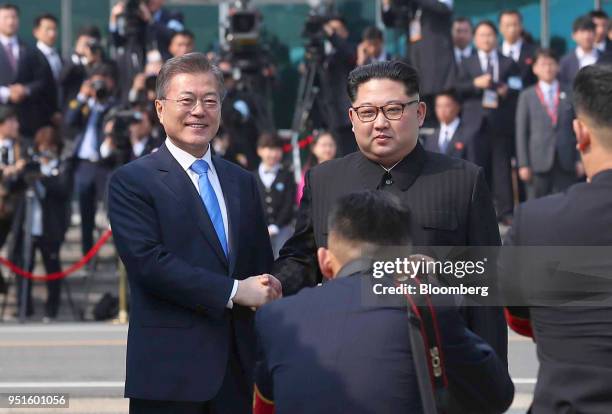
(450,148)
(4,63)
(230,187)
(179,183)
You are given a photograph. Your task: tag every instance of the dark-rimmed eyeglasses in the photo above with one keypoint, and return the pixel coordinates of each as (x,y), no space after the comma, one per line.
(392,111)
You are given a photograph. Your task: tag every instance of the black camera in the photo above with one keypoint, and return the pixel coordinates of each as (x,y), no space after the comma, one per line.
(4,157)
(121,132)
(404,11)
(315,36)
(99,86)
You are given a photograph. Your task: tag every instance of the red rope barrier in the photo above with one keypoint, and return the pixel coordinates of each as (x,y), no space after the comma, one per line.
(59,275)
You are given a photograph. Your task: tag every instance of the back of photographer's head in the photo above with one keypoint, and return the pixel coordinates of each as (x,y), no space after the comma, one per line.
(361,224)
(9,125)
(593,123)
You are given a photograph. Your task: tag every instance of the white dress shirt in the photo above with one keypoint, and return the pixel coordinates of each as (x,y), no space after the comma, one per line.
(267,175)
(52,57)
(185,159)
(14,44)
(586,59)
(549,90)
(89,149)
(461,54)
(139,147)
(512,51)
(482,56)
(447,131)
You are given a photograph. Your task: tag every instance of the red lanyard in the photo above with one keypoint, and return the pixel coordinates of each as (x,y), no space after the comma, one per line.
(552,114)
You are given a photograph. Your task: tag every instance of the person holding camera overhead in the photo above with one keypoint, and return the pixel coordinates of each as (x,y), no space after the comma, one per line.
(86,114)
(52,184)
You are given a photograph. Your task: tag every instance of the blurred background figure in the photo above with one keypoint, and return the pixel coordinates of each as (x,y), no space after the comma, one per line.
(322,148)
(277,189)
(585,53)
(49,105)
(601,21)
(462,39)
(181,43)
(516,46)
(372,47)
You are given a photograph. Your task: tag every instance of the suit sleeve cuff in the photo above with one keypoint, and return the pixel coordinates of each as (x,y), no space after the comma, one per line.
(230,303)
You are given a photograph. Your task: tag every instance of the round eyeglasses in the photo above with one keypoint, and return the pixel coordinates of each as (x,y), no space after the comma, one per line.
(392,111)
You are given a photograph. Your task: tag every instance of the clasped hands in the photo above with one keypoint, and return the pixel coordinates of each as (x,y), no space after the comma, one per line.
(256,291)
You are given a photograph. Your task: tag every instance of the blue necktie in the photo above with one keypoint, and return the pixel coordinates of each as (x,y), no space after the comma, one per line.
(209,198)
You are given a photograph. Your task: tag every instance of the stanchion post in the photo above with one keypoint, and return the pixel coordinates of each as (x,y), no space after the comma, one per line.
(123,312)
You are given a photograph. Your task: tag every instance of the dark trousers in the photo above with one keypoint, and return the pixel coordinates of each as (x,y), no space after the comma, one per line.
(493,153)
(234,397)
(5,229)
(553,181)
(90,185)
(50,255)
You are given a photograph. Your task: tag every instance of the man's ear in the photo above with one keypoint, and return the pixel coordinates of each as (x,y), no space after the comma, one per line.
(159,109)
(421,112)
(583,136)
(325,258)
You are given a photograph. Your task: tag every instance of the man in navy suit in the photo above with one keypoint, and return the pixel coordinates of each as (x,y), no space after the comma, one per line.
(22,77)
(190,229)
(334,349)
(585,53)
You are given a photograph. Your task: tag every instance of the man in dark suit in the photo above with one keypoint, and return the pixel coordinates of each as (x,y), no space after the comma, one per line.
(327,341)
(487,84)
(515,46)
(448,197)
(431,47)
(451,137)
(462,39)
(190,230)
(585,53)
(372,47)
(545,142)
(22,78)
(86,115)
(573,342)
(48,106)
(601,21)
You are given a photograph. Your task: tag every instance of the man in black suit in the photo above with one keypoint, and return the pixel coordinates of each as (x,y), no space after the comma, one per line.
(372,47)
(515,46)
(431,47)
(449,199)
(353,352)
(451,137)
(86,115)
(601,21)
(585,53)
(22,78)
(48,106)
(573,342)
(488,84)
(462,39)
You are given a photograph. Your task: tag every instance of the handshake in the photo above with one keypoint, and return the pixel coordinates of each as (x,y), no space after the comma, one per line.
(256,291)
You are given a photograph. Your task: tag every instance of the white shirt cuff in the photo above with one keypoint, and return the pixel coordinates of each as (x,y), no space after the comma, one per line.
(5,93)
(230,303)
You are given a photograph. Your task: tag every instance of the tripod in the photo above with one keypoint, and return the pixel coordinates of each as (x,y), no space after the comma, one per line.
(307,93)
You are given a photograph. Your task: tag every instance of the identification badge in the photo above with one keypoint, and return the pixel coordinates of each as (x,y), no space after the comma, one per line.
(515,82)
(490,99)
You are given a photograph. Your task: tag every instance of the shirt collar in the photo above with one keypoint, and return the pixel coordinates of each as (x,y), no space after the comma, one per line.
(263,170)
(483,55)
(452,127)
(185,159)
(581,54)
(6,40)
(47,50)
(404,173)
(547,86)
(514,46)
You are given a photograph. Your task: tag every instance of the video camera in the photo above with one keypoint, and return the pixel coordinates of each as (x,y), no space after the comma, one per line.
(404,11)
(131,24)
(242,36)
(121,132)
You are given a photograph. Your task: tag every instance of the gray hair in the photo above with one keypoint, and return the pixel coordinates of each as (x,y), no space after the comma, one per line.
(189,63)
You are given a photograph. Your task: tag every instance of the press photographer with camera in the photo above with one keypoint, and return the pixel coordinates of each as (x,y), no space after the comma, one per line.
(152,23)
(11,164)
(50,216)
(86,115)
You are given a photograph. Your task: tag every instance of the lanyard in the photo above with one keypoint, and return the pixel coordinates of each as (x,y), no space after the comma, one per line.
(552,114)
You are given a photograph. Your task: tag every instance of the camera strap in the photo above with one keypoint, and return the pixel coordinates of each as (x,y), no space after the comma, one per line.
(425,341)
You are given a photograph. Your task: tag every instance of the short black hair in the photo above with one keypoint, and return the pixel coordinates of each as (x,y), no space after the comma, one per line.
(6,112)
(395,70)
(451,93)
(186,33)
(510,12)
(372,33)
(463,19)
(591,94)
(373,216)
(544,52)
(9,6)
(488,23)
(89,30)
(106,69)
(598,14)
(583,23)
(269,140)
(45,16)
